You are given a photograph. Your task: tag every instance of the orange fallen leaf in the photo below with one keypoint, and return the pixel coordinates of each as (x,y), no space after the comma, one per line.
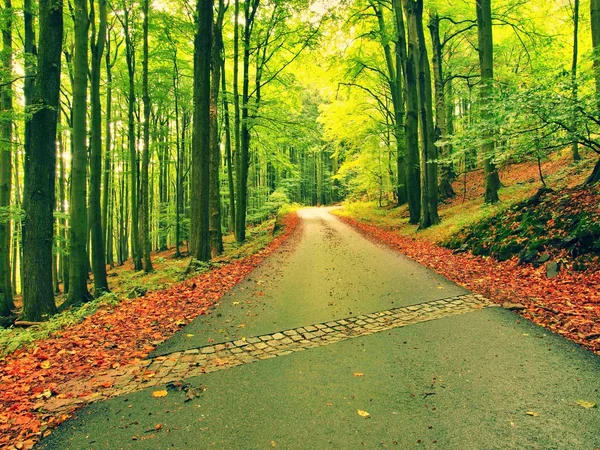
(162,393)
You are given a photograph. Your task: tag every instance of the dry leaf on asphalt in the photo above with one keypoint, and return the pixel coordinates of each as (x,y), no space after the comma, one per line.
(358,374)
(585,404)
(159,393)
(362,413)
(533,413)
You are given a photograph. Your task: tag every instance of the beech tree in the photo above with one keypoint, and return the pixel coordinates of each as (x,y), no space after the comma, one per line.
(40,167)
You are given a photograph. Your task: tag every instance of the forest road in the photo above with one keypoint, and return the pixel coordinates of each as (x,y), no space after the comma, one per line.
(335,342)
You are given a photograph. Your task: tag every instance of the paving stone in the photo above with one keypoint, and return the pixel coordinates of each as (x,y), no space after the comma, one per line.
(195,362)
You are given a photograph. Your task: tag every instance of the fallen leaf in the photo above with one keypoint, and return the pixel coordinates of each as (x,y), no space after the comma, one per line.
(533,413)
(362,413)
(189,335)
(45,364)
(162,393)
(358,374)
(587,405)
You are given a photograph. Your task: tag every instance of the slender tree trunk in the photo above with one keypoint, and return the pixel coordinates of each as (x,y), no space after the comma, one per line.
(107,178)
(40,168)
(199,201)
(78,270)
(216,235)
(574,85)
(429,195)
(228,155)
(395,83)
(179,162)
(244,149)
(411,130)
(486,63)
(595,25)
(236,106)
(6,299)
(441,129)
(133,165)
(97,233)
(145,244)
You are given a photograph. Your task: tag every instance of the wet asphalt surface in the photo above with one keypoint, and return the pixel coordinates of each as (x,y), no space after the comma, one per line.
(481,380)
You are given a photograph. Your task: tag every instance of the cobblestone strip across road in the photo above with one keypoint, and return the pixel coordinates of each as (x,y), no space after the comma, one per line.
(190,363)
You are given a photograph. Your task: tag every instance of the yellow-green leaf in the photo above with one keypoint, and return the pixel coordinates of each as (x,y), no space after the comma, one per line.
(364,414)
(585,404)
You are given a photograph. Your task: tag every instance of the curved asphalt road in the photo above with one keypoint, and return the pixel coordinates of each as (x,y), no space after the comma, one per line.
(460,382)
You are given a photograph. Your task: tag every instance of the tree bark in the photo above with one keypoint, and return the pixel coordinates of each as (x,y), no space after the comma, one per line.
(441,111)
(199,199)
(40,168)
(95,212)
(595,25)
(486,64)
(78,262)
(145,244)
(411,129)
(429,195)
(574,85)
(216,234)
(6,299)
(228,156)
(394,68)
(133,165)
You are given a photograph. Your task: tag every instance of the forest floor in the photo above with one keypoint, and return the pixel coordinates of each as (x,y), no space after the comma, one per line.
(567,303)
(113,333)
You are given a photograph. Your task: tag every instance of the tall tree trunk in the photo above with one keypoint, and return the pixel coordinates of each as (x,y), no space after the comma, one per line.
(133,165)
(595,25)
(228,156)
(78,269)
(199,201)
(441,119)
(62,192)
(395,83)
(411,129)
(145,244)
(107,178)
(97,234)
(250,8)
(179,157)
(216,235)
(574,86)
(40,168)
(6,299)
(486,63)
(429,195)
(236,106)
